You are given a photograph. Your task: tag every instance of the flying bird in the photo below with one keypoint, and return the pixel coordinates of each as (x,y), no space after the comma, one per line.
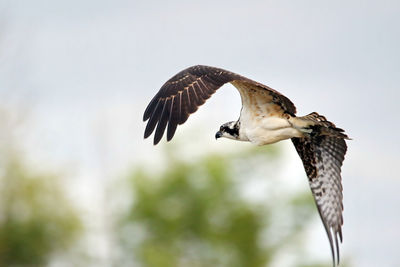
(266,117)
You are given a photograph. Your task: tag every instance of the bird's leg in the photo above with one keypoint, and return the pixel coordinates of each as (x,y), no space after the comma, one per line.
(294,123)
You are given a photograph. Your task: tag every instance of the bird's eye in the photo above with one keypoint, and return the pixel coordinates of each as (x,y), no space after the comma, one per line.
(221,128)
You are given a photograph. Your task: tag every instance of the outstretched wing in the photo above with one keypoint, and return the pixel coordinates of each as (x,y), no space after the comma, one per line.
(322,158)
(181,96)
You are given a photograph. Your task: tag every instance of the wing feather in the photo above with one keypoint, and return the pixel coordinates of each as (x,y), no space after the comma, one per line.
(322,158)
(174,116)
(163,121)
(185,102)
(194,98)
(185,92)
(205,86)
(154,117)
(203,95)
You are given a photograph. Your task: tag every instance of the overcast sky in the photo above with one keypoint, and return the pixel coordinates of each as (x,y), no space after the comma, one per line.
(87,69)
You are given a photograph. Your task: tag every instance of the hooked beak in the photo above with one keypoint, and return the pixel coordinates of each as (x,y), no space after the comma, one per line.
(218,134)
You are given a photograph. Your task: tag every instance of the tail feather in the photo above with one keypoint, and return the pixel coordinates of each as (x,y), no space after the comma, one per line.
(317,125)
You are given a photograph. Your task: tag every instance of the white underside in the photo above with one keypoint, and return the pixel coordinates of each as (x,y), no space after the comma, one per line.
(267,130)
(262,121)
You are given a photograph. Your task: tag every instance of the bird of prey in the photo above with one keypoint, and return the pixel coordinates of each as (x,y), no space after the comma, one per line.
(266,117)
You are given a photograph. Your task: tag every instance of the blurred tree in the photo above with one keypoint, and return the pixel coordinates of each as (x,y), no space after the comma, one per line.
(194,214)
(36,219)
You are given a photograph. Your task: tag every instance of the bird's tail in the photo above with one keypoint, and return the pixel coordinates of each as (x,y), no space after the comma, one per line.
(314,124)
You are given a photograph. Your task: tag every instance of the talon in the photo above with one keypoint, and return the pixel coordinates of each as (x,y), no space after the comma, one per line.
(305,130)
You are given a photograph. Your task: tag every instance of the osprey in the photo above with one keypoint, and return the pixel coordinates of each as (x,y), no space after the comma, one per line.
(266,117)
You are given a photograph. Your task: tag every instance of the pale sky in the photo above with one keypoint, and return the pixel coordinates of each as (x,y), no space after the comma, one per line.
(84,67)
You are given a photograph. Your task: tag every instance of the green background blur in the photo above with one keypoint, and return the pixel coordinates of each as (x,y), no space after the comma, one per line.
(187,213)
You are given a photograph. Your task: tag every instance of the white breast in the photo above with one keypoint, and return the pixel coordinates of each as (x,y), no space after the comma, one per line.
(262,121)
(263,130)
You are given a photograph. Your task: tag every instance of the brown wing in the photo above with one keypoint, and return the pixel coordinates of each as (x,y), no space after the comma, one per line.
(181,96)
(322,158)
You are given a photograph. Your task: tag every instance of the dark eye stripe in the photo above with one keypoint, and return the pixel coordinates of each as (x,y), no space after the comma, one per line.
(233,132)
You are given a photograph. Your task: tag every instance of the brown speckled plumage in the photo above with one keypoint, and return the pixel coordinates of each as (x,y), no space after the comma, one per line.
(322,158)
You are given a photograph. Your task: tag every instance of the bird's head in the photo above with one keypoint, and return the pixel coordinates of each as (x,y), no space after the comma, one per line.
(229,130)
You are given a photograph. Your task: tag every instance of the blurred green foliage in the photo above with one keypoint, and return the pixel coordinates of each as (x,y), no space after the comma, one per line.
(193,213)
(36,219)
(199,212)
